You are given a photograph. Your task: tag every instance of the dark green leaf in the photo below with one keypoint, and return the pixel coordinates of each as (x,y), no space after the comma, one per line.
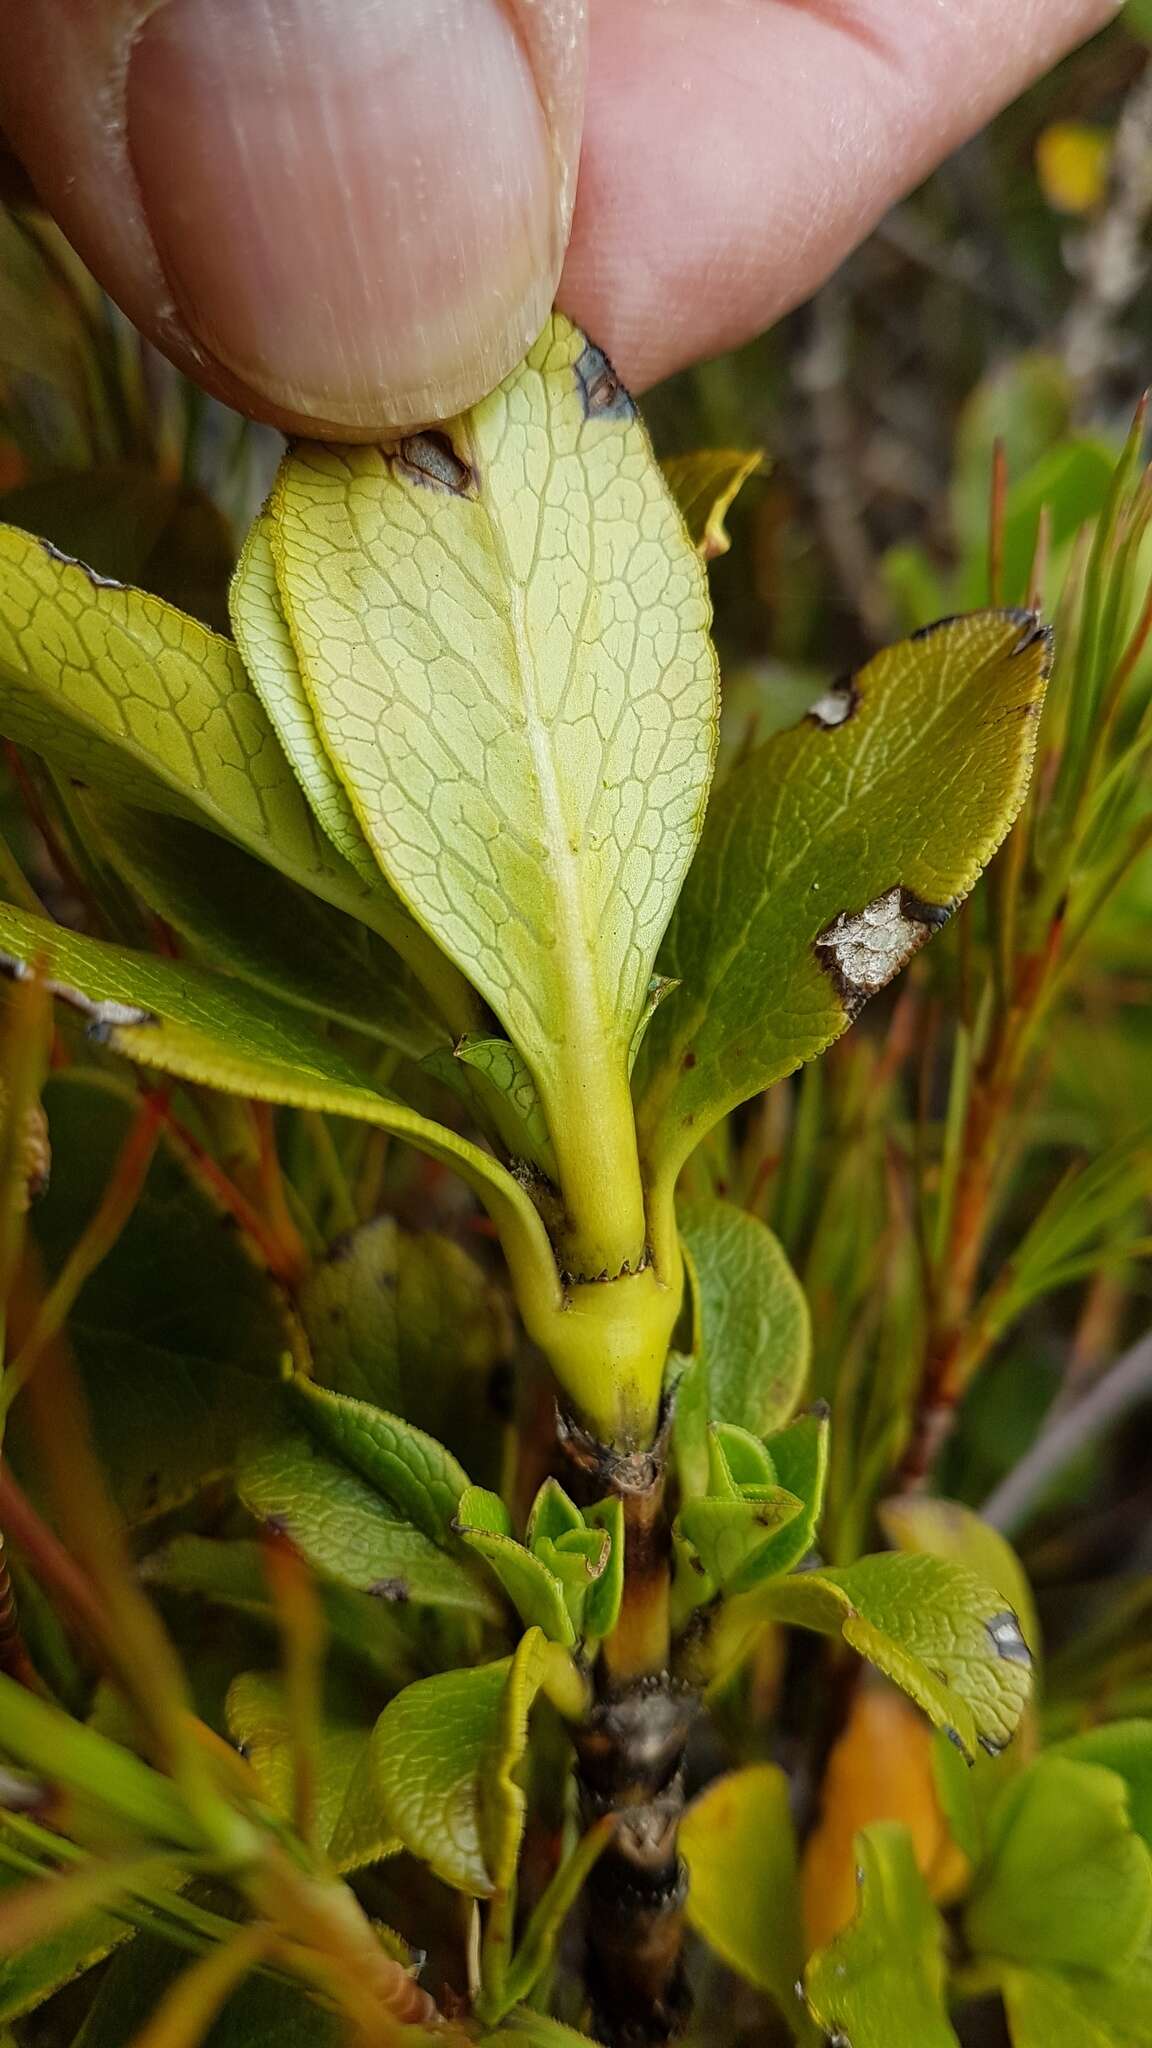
(244,917)
(821,870)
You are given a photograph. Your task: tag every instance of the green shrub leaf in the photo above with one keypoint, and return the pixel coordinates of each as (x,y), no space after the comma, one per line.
(1126,1748)
(880,1984)
(930,1626)
(349,1820)
(739,1844)
(503,633)
(341,1525)
(535,1592)
(443,1753)
(1066,1881)
(704,485)
(119,690)
(241,915)
(1073,2009)
(407,1467)
(201,1028)
(265,642)
(945,1528)
(752,1335)
(822,869)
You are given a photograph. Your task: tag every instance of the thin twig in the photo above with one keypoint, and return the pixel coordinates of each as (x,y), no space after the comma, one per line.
(1122,1388)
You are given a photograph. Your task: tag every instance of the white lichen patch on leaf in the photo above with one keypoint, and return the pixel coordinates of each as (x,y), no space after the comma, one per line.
(863,949)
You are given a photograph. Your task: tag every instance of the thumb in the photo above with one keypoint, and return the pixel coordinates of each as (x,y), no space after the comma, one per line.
(344,216)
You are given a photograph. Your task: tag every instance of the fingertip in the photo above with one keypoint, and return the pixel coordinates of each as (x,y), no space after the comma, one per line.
(339,215)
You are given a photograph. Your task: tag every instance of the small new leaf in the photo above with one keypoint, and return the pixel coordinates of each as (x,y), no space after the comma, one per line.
(752,1336)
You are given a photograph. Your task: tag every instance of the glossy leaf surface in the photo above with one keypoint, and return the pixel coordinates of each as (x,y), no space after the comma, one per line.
(824,867)
(934,1629)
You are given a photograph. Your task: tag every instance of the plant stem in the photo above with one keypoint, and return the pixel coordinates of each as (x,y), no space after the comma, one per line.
(630,1751)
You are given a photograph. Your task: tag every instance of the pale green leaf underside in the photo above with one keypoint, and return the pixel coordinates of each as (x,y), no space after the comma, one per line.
(225,1036)
(265,642)
(515,681)
(837,831)
(117,688)
(880,1984)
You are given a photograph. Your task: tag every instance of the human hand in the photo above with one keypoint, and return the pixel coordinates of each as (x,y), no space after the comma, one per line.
(351,216)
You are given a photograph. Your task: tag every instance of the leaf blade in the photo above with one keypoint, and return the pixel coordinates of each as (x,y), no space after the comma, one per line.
(821,869)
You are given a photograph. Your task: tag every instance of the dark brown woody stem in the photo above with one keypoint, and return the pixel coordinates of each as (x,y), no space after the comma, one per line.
(630,1753)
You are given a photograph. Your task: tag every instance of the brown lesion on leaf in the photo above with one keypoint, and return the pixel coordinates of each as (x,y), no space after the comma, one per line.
(840,702)
(861,950)
(602,394)
(431,460)
(97,581)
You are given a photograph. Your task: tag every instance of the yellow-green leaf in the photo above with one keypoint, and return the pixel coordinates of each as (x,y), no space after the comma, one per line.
(196,1026)
(945,1528)
(1077,2009)
(119,689)
(1066,1881)
(704,485)
(739,1844)
(265,642)
(880,1984)
(503,632)
(929,1625)
(350,1824)
(829,858)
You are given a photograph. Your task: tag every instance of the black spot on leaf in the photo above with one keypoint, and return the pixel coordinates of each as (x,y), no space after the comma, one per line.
(390,1589)
(861,950)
